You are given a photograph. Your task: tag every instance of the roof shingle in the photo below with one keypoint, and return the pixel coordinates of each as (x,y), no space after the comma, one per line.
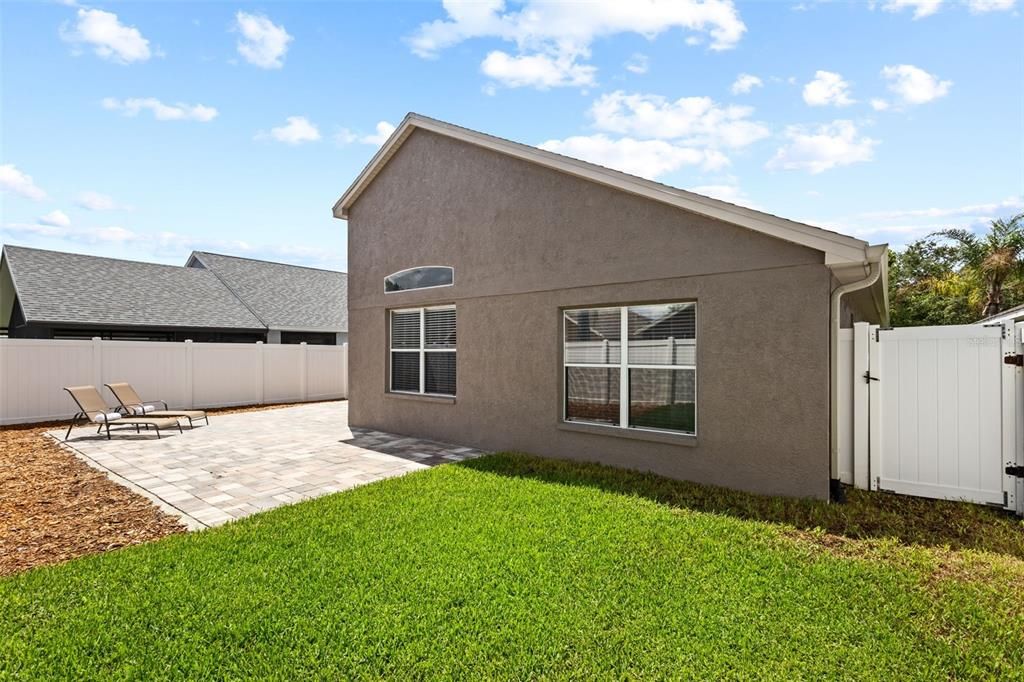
(73,288)
(284,296)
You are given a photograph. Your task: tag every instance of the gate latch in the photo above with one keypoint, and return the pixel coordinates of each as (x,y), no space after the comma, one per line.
(1017,360)
(868,378)
(1017,471)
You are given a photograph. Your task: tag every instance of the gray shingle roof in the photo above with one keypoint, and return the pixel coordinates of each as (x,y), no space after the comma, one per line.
(284,296)
(53,286)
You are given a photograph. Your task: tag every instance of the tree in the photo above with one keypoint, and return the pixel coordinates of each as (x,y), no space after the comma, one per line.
(992,258)
(926,287)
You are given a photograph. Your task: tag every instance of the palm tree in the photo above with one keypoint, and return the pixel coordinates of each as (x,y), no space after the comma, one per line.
(993,257)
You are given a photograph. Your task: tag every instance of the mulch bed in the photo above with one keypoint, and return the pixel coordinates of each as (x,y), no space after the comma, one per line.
(55,507)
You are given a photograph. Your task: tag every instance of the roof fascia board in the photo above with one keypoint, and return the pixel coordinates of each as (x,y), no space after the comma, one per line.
(837,248)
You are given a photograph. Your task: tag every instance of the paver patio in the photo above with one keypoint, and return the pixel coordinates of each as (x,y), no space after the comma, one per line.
(247,462)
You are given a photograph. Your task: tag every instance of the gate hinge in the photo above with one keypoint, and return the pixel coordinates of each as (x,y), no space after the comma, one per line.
(1016,470)
(1017,360)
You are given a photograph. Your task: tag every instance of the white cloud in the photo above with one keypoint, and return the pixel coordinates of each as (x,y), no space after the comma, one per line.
(638,63)
(744,83)
(562,33)
(646,158)
(161,112)
(922,8)
(827,88)
(165,246)
(696,120)
(822,147)
(898,227)
(13,180)
(263,43)
(109,38)
(296,130)
(87,235)
(914,85)
(730,193)
(384,130)
(94,201)
(536,70)
(879,104)
(56,218)
(982,6)
(969,211)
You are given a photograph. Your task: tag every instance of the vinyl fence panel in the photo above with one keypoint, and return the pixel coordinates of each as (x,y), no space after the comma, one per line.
(33,373)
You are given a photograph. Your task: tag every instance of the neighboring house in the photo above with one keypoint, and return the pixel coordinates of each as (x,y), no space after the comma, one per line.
(51,294)
(492,285)
(1008,316)
(295,303)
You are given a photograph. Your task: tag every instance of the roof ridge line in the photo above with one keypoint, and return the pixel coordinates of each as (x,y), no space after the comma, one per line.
(273,262)
(196,255)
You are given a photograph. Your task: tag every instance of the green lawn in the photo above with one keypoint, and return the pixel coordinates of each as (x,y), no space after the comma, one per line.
(513,567)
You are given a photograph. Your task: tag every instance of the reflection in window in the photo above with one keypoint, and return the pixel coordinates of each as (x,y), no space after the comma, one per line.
(651,383)
(420,278)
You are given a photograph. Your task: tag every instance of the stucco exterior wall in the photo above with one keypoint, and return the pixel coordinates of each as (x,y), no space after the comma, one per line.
(527,242)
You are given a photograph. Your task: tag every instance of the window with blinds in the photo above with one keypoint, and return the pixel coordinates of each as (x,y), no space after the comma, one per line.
(632,367)
(423,351)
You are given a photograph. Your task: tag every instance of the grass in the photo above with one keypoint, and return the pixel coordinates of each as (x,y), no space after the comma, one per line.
(515,567)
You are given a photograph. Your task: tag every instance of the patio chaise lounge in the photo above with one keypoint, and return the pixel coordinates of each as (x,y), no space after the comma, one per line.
(94,409)
(132,404)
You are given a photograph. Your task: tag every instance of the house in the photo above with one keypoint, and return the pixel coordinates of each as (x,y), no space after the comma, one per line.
(506,297)
(214,298)
(295,303)
(1008,316)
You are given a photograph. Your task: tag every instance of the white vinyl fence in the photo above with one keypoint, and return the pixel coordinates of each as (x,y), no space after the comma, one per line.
(933,412)
(33,373)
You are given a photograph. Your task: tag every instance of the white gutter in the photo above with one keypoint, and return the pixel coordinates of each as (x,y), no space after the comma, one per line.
(873,259)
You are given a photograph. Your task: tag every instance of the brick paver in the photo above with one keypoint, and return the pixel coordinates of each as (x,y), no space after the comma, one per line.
(252,461)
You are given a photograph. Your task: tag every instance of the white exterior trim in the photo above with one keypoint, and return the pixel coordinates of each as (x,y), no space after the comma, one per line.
(838,248)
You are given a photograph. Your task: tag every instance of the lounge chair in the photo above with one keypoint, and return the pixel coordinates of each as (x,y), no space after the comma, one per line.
(133,405)
(94,409)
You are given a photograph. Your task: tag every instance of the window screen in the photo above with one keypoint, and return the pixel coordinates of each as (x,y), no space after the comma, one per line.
(423,356)
(650,383)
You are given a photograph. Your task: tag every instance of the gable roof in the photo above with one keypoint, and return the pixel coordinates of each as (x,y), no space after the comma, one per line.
(839,249)
(284,297)
(71,288)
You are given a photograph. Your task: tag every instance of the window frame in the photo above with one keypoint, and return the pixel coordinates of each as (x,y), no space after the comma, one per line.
(418,267)
(624,366)
(421,350)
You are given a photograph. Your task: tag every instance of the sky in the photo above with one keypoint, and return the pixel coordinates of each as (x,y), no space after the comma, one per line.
(148,130)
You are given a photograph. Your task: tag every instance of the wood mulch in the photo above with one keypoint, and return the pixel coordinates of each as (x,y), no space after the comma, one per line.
(55,507)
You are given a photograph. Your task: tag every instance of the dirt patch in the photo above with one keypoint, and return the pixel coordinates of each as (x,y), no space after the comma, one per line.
(938,564)
(54,507)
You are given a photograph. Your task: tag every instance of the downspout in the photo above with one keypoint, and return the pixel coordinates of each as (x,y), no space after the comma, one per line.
(874,272)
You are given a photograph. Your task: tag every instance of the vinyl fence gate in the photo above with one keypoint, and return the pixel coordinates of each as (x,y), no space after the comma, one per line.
(934,412)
